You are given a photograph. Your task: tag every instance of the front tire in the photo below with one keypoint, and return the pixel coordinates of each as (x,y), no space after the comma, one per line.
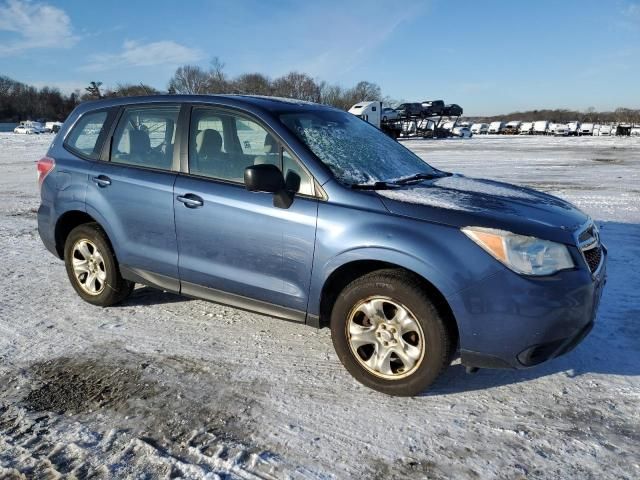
(388,334)
(92,267)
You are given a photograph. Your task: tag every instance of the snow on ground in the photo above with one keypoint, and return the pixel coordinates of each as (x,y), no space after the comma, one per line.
(163,386)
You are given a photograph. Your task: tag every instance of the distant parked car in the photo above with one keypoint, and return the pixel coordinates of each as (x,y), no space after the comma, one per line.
(526,128)
(389,114)
(37,127)
(52,127)
(512,127)
(431,108)
(462,132)
(635,132)
(561,130)
(453,110)
(25,130)
(586,129)
(407,110)
(605,130)
(480,128)
(496,127)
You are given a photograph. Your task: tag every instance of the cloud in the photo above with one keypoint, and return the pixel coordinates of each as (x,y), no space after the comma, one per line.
(34,25)
(136,54)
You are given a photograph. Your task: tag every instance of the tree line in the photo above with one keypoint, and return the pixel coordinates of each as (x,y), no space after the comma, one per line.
(19,101)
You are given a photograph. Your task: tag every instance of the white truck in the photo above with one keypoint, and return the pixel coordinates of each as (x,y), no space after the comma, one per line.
(372,112)
(540,127)
(496,127)
(480,128)
(526,128)
(574,128)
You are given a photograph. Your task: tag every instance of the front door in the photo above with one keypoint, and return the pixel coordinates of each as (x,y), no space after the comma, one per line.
(235,246)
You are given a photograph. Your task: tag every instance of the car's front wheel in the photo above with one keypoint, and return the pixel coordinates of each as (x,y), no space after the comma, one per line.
(92,267)
(388,334)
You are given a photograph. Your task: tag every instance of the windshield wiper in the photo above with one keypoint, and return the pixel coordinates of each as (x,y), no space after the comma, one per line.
(371,186)
(387,184)
(417,177)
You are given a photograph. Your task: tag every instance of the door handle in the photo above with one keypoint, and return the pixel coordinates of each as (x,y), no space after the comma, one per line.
(102,180)
(190,200)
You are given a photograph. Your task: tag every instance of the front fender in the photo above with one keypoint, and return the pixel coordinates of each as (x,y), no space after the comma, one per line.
(439,253)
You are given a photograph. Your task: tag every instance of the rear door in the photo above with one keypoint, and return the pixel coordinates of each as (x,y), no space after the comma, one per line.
(132,193)
(234,245)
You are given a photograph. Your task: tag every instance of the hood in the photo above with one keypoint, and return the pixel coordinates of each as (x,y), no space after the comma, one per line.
(460,201)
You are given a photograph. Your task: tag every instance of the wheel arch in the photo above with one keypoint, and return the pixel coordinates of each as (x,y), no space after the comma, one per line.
(340,277)
(67,222)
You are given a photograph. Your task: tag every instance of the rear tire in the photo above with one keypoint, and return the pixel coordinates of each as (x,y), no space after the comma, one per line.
(92,267)
(388,334)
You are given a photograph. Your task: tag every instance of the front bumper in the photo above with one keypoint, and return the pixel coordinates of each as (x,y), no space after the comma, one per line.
(511,321)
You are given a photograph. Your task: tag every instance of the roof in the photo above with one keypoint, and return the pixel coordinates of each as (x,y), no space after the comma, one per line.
(249,102)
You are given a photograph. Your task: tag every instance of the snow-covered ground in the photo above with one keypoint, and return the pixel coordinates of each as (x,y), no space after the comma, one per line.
(164,386)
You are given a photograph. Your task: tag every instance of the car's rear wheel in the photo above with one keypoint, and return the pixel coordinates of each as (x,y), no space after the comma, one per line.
(92,267)
(388,334)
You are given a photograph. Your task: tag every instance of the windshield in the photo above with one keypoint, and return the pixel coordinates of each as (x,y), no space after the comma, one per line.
(354,150)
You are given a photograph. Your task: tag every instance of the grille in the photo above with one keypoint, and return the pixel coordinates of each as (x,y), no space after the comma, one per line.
(586,235)
(593,257)
(589,243)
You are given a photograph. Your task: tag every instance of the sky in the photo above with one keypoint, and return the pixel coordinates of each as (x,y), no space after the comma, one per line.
(489,56)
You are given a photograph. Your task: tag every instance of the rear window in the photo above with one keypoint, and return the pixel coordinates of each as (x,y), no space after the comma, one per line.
(87,134)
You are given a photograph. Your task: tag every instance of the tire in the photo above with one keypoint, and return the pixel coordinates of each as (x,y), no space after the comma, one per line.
(89,242)
(357,337)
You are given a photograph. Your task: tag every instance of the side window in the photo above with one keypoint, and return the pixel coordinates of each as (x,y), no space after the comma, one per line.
(222,145)
(85,134)
(290,168)
(145,137)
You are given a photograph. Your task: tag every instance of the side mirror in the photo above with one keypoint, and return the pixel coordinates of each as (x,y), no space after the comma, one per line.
(263,178)
(268,178)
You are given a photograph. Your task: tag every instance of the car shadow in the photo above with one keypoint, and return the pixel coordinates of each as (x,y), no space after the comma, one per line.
(613,346)
(144,295)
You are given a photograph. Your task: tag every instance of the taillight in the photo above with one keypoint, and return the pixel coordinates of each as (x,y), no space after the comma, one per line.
(44,166)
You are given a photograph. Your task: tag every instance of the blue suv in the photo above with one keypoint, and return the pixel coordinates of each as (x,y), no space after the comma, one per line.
(308,213)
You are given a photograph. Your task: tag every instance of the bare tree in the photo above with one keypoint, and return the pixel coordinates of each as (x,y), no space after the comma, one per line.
(93,90)
(252,84)
(191,80)
(297,85)
(217,78)
(366,91)
(130,90)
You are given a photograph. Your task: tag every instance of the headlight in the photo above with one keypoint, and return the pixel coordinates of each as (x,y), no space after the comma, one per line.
(522,254)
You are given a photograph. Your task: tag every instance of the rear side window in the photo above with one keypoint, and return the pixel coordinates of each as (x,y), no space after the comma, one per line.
(145,137)
(87,135)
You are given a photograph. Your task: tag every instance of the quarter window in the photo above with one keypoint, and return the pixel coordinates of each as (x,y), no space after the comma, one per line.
(85,135)
(290,166)
(145,137)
